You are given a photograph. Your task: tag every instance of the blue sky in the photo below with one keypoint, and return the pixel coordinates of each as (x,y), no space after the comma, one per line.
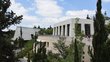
(49,12)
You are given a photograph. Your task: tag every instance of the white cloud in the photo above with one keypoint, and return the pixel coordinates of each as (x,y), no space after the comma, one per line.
(18,8)
(106,0)
(48,8)
(80,13)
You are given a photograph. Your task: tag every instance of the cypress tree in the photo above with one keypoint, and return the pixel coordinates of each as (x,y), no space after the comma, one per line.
(100,35)
(76,55)
(78,45)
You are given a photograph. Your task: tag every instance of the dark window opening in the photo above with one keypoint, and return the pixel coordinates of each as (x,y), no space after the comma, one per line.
(87,29)
(68,29)
(63,30)
(60,30)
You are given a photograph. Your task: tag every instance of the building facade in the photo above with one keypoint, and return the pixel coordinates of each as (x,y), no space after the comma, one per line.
(26,32)
(67,27)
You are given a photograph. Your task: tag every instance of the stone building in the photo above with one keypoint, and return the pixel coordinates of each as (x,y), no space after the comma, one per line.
(66,28)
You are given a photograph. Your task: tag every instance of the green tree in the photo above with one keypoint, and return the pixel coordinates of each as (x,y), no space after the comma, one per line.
(41,55)
(6,20)
(28,57)
(108,27)
(42,31)
(61,47)
(78,45)
(49,30)
(46,31)
(53,57)
(99,37)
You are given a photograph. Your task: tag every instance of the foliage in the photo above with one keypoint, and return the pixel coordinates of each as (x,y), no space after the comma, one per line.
(6,51)
(99,37)
(42,31)
(53,57)
(62,48)
(28,57)
(106,17)
(67,52)
(28,47)
(7,18)
(41,55)
(108,27)
(46,31)
(78,45)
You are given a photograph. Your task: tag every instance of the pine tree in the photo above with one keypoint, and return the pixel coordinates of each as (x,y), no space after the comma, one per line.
(6,20)
(100,35)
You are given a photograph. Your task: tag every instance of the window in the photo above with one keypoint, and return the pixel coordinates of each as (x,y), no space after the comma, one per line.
(60,30)
(68,29)
(87,29)
(63,30)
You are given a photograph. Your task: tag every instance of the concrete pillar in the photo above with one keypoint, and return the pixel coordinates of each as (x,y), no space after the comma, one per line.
(53,31)
(62,30)
(70,30)
(58,30)
(92,28)
(66,30)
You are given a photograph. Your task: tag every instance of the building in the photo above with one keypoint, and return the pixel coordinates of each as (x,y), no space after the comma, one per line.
(66,28)
(26,33)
